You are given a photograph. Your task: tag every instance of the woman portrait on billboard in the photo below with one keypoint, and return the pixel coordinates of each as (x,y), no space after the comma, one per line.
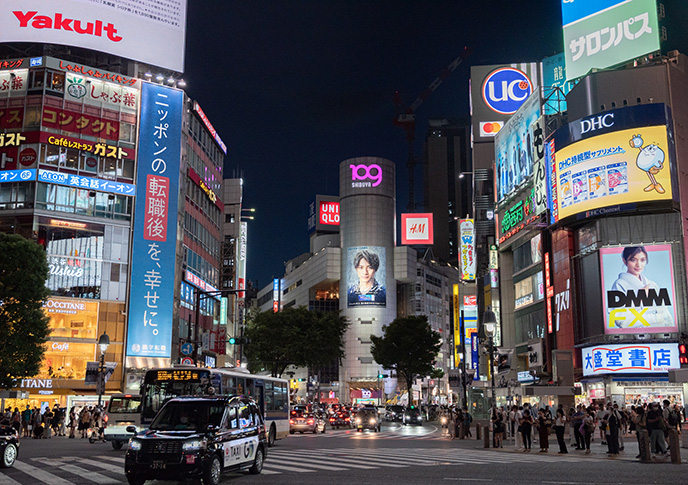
(367,290)
(635,259)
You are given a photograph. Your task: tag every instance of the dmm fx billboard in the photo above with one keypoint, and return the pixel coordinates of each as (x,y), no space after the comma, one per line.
(151,296)
(151,32)
(633,358)
(467,249)
(496,93)
(610,161)
(604,33)
(639,292)
(518,145)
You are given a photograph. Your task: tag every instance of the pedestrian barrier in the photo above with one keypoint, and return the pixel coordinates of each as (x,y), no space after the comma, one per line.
(486,436)
(674,447)
(644,446)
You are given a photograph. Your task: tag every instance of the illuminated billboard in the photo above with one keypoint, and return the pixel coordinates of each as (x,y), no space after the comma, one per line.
(365,277)
(496,93)
(605,33)
(150,32)
(632,358)
(323,214)
(515,152)
(416,229)
(467,256)
(639,292)
(554,85)
(610,162)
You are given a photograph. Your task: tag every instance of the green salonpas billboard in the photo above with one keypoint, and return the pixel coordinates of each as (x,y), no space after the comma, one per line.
(604,33)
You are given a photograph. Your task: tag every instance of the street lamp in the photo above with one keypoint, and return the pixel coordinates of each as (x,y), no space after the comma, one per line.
(487,332)
(103,343)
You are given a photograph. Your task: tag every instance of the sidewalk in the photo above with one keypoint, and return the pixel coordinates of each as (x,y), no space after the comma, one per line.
(597,450)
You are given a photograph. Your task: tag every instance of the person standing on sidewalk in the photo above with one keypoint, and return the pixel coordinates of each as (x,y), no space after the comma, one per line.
(588,428)
(559,428)
(656,427)
(576,422)
(526,427)
(467,420)
(613,424)
(543,424)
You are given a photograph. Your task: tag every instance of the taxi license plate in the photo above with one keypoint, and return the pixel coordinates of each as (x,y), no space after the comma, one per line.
(158,465)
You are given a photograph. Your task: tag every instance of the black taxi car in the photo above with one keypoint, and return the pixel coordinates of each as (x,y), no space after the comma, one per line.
(198,437)
(9,446)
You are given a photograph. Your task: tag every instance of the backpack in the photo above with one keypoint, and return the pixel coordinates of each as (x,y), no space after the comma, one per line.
(674,418)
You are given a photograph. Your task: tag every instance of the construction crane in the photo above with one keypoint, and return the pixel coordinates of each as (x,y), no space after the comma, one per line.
(406,119)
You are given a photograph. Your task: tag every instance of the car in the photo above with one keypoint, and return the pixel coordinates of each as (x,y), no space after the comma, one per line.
(394,412)
(9,446)
(367,418)
(198,437)
(340,419)
(124,410)
(311,423)
(299,409)
(412,416)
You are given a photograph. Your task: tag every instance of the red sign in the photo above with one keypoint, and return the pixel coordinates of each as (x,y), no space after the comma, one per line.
(329,213)
(550,291)
(80,123)
(27,157)
(157,199)
(416,229)
(11,118)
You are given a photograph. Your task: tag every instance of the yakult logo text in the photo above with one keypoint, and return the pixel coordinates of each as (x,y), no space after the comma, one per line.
(58,22)
(363,172)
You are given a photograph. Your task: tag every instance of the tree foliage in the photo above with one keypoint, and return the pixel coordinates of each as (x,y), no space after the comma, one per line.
(23,323)
(294,336)
(408,346)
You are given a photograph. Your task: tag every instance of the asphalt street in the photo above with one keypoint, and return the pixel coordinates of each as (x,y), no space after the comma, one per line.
(397,455)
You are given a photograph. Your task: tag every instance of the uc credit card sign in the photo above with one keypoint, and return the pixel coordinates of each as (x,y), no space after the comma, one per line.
(151,297)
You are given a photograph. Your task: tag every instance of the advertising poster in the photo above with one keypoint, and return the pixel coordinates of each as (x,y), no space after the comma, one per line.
(638,285)
(154,238)
(635,358)
(467,255)
(416,229)
(605,33)
(514,148)
(366,273)
(627,162)
(554,85)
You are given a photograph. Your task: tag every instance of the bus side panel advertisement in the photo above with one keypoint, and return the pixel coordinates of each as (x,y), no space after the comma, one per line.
(639,293)
(151,297)
(366,276)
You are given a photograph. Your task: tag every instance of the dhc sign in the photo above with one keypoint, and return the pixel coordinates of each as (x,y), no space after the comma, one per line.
(506,89)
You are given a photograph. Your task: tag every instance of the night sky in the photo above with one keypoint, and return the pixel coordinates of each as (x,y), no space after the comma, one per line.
(296,87)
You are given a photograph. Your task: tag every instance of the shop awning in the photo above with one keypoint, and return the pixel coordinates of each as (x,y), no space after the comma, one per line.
(551,391)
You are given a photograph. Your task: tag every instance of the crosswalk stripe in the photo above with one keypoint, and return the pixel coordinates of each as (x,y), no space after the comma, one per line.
(5,480)
(269,465)
(311,465)
(104,466)
(39,474)
(340,461)
(79,471)
(376,462)
(116,459)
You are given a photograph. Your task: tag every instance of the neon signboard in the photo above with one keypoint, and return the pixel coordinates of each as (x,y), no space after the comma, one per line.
(211,128)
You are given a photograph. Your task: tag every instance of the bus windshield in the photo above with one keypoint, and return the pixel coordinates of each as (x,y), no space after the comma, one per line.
(161,386)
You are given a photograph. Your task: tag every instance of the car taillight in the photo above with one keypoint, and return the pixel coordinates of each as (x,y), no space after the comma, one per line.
(310,421)
(346,419)
(291,421)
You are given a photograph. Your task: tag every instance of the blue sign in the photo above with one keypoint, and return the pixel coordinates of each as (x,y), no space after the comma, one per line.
(26,175)
(475,357)
(35,61)
(572,10)
(82,182)
(187,349)
(555,87)
(634,358)
(151,294)
(506,89)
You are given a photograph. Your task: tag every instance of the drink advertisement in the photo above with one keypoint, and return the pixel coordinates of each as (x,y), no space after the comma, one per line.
(639,293)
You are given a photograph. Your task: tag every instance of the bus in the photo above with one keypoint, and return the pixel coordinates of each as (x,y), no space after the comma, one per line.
(270,393)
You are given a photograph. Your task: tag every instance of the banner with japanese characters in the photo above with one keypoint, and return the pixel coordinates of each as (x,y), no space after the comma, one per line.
(605,33)
(638,287)
(151,297)
(467,257)
(632,358)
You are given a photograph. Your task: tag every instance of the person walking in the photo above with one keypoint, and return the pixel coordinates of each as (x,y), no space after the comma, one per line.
(467,420)
(639,421)
(543,424)
(559,428)
(84,421)
(26,422)
(16,420)
(497,428)
(73,422)
(526,427)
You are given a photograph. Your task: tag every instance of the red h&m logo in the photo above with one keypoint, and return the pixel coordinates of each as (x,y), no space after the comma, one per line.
(157,202)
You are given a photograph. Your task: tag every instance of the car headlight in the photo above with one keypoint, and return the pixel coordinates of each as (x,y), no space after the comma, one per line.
(358,420)
(134,445)
(193,445)
(372,421)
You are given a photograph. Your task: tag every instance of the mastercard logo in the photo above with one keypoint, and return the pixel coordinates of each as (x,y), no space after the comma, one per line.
(490,128)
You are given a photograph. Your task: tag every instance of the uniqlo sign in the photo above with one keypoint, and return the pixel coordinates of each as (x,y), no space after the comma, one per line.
(416,229)
(329,213)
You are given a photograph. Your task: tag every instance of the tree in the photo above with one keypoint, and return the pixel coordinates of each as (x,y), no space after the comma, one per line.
(294,336)
(23,323)
(408,346)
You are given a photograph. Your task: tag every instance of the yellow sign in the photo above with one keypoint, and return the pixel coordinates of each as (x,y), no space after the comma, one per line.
(457,327)
(621,167)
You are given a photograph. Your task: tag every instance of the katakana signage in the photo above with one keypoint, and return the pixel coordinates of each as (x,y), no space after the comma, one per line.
(81,123)
(634,358)
(151,297)
(79,181)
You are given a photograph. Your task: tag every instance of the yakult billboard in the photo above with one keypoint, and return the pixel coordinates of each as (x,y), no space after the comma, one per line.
(150,32)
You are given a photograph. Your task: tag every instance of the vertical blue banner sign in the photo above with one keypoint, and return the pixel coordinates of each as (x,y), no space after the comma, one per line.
(475,356)
(151,295)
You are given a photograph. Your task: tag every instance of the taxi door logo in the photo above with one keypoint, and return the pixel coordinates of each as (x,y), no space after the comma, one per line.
(506,89)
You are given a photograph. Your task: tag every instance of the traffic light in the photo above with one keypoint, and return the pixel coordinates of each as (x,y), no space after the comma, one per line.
(683,353)
(238,340)
(382,376)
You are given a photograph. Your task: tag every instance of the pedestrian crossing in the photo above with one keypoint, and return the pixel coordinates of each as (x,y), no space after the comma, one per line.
(109,469)
(392,434)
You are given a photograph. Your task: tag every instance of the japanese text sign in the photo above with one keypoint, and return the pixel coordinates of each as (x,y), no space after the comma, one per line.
(416,229)
(467,256)
(605,33)
(639,295)
(81,123)
(81,182)
(637,359)
(151,297)
(18,175)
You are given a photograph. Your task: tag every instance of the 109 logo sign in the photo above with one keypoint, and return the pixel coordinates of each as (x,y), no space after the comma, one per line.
(361,173)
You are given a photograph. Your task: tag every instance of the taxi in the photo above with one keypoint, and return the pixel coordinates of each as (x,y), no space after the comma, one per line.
(198,437)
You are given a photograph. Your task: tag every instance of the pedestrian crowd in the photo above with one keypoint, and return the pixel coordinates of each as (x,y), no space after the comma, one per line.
(613,423)
(34,423)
